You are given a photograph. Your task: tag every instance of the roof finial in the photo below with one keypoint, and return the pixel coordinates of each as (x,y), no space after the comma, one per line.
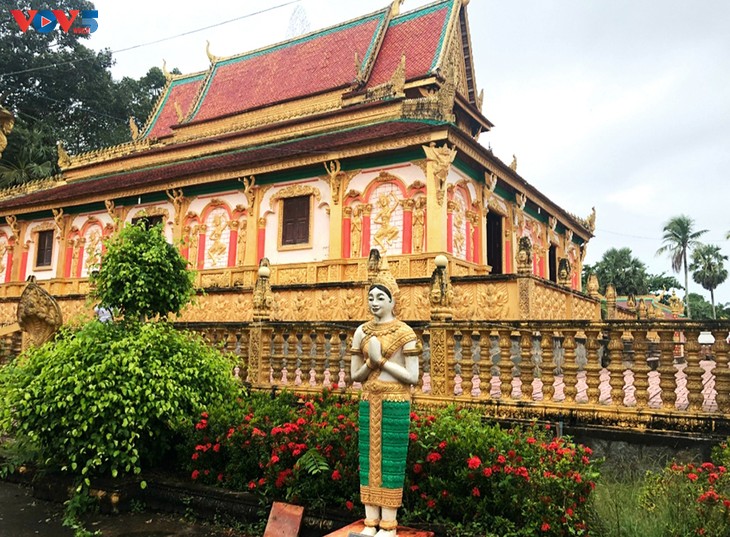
(513,165)
(395,8)
(165,72)
(213,58)
(133,129)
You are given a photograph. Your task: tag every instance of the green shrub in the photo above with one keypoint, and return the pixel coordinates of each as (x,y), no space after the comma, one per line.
(462,474)
(689,499)
(142,275)
(110,399)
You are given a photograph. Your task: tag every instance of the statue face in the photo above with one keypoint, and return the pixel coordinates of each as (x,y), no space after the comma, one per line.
(380,304)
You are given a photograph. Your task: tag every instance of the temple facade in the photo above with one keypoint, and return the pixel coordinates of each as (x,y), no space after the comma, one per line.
(310,153)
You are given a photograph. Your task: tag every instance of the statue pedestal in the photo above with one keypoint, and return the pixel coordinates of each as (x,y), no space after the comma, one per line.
(354,529)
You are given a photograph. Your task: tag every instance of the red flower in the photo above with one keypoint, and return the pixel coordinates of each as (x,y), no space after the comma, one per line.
(475,492)
(220,477)
(204,415)
(501,459)
(301,421)
(195,456)
(545,527)
(274,459)
(531,440)
(217,448)
(412,437)
(433,457)
(442,445)
(195,474)
(336,475)
(414,488)
(692,477)
(431,504)
(251,485)
(487,471)
(349,505)
(473,463)
(417,468)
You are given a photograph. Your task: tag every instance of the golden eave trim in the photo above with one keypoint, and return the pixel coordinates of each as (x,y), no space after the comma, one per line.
(501,170)
(202,178)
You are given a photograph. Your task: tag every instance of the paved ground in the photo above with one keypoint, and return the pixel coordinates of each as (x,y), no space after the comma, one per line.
(21,515)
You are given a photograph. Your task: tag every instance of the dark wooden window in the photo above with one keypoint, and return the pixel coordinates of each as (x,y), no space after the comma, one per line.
(295,220)
(494,242)
(148,222)
(44,254)
(553,263)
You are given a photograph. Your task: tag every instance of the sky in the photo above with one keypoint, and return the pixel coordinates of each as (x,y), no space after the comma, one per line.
(623,105)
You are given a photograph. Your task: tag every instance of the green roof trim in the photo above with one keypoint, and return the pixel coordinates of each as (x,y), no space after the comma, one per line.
(176,82)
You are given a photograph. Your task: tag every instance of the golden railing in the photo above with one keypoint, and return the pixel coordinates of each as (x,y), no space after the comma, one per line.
(664,376)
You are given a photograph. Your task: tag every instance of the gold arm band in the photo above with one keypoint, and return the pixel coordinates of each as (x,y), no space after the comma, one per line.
(356,351)
(412,352)
(371,522)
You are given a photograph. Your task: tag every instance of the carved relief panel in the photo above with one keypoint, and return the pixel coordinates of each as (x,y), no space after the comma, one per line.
(387,219)
(217,241)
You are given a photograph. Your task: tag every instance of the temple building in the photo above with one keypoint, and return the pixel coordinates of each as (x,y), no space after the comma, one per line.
(310,153)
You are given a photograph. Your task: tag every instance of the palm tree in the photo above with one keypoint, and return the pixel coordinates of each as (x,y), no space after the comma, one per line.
(708,270)
(679,238)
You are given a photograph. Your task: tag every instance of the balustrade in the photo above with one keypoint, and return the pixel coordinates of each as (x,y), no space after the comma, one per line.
(615,370)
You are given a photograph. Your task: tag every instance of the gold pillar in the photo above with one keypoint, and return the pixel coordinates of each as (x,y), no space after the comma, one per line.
(438,164)
(335,179)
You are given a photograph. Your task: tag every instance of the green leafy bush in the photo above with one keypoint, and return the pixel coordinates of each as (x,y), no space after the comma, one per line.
(462,474)
(142,275)
(689,499)
(110,399)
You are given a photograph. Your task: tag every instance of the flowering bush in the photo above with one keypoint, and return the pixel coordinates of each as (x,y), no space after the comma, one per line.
(302,451)
(689,499)
(462,474)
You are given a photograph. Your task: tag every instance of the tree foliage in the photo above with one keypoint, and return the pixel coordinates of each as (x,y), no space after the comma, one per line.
(708,269)
(142,275)
(111,399)
(627,274)
(59,89)
(679,238)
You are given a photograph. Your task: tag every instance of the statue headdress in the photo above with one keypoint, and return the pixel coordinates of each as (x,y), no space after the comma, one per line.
(384,278)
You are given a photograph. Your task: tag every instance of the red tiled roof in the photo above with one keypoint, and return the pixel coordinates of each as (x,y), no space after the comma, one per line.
(305,66)
(182,91)
(162,175)
(418,35)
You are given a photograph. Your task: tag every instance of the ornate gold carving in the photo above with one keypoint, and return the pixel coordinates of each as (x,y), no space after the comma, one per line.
(263,298)
(217,248)
(356,232)
(177,198)
(419,223)
(38,314)
(12,222)
(441,157)
(386,233)
(93,250)
(248,190)
(441,295)
(335,179)
(241,242)
(133,129)
(212,58)
(64,161)
(293,191)
(7,122)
